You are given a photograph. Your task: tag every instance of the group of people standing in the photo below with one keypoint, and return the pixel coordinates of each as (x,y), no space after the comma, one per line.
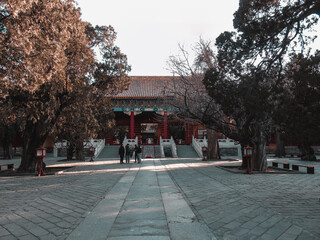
(128,152)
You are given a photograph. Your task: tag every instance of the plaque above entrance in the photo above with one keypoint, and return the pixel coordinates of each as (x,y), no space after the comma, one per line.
(142,109)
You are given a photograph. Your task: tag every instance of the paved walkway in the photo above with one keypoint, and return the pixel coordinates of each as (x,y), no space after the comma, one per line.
(159,200)
(258,206)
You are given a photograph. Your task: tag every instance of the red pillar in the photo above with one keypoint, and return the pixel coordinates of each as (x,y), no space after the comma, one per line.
(196,132)
(132,125)
(188,134)
(186,130)
(165,125)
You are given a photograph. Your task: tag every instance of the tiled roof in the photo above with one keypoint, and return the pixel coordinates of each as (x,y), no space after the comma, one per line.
(146,87)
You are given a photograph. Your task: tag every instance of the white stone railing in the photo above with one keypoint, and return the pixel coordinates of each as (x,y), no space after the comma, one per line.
(131,142)
(162,143)
(125,141)
(198,144)
(98,145)
(171,144)
(63,143)
(229,148)
(173,147)
(202,142)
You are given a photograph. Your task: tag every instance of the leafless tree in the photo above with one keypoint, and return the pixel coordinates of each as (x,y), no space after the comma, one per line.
(188,95)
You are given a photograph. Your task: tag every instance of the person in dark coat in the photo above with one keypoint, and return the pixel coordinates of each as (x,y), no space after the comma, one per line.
(139,151)
(128,153)
(135,153)
(121,153)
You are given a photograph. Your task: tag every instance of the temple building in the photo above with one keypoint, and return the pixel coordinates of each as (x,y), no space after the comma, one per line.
(143,111)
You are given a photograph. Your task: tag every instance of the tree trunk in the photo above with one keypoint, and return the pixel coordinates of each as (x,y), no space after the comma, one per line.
(7,142)
(80,150)
(7,149)
(70,151)
(244,159)
(212,144)
(31,141)
(218,150)
(259,160)
(306,151)
(34,136)
(280,150)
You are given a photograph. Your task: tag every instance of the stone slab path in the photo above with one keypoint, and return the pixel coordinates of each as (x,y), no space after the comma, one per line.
(144,204)
(160,199)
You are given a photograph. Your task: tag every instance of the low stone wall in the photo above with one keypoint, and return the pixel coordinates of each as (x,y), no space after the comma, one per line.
(291,150)
(230,152)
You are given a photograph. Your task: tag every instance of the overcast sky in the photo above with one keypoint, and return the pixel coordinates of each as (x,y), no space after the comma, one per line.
(149,31)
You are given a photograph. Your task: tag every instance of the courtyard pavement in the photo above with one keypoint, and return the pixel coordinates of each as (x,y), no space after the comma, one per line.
(160,199)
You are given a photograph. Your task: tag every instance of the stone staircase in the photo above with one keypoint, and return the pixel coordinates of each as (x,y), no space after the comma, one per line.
(186,151)
(109,152)
(151,150)
(167,151)
(157,153)
(147,151)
